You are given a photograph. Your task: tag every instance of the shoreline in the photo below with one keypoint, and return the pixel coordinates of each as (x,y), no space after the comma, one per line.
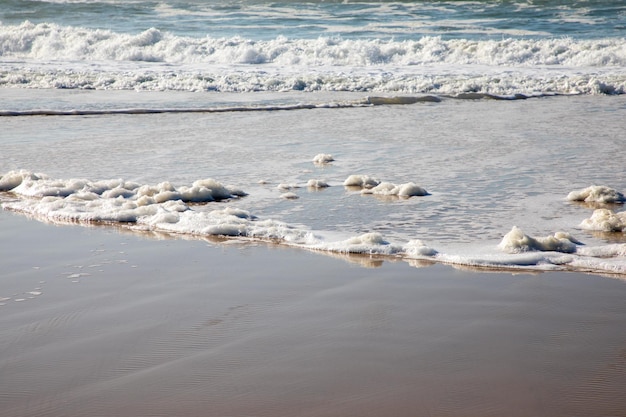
(113,323)
(373,259)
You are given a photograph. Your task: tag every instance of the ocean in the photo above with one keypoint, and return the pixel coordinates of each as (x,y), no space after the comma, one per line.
(479,134)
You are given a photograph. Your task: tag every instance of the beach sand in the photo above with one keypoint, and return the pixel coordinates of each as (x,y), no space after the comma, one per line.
(95,321)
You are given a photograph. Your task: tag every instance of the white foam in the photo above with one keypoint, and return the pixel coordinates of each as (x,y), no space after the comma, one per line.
(597,194)
(112,200)
(605,220)
(523,260)
(606,251)
(50,41)
(287,186)
(160,208)
(323,158)
(416,249)
(372,243)
(289,196)
(48,55)
(234,212)
(403,190)
(516,241)
(363,181)
(317,184)
(12,179)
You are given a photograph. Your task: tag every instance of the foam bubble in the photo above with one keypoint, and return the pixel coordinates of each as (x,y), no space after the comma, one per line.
(403,190)
(317,184)
(287,186)
(516,241)
(289,196)
(372,243)
(12,179)
(606,221)
(323,158)
(111,200)
(607,251)
(363,181)
(597,194)
(234,212)
(416,248)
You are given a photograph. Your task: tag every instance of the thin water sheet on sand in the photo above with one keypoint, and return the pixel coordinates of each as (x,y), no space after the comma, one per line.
(100,322)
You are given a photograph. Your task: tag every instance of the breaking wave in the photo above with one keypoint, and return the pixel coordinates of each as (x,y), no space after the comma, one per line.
(48,55)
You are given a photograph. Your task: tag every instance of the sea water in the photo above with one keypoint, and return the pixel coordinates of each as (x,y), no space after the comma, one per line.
(486,134)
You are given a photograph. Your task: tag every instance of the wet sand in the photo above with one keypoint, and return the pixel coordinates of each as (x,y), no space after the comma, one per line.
(96,322)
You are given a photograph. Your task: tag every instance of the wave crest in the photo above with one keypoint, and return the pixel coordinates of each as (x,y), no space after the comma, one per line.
(54,42)
(48,55)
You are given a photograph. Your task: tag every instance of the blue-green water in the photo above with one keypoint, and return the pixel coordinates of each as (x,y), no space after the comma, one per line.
(399,20)
(442,47)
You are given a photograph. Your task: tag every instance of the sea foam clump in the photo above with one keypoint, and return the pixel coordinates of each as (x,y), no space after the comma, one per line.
(201,191)
(597,194)
(363,181)
(108,200)
(29,184)
(158,208)
(403,190)
(12,179)
(416,248)
(317,184)
(287,186)
(230,222)
(516,241)
(323,158)
(227,222)
(289,196)
(371,243)
(606,221)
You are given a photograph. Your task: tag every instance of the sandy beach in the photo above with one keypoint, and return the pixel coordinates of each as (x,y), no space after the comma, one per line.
(95,321)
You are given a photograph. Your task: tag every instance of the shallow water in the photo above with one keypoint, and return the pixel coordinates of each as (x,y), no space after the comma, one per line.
(497,110)
(488,165)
